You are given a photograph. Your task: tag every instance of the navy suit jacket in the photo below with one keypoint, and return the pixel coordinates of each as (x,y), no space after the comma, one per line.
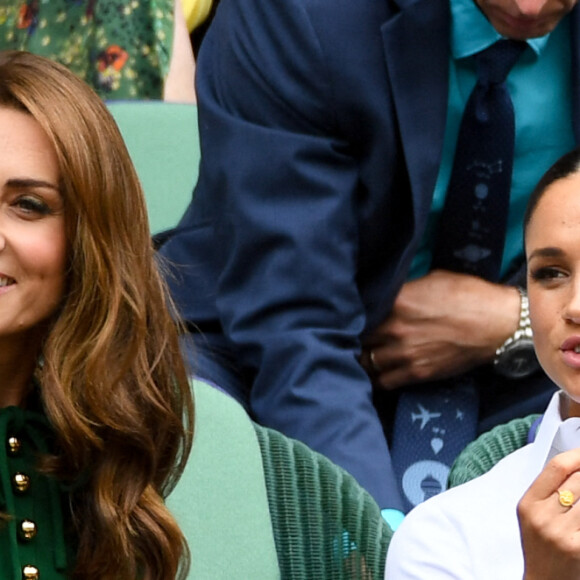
(322,123)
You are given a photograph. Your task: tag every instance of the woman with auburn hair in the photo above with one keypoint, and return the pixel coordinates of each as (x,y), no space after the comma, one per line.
(100,476)
(91,376)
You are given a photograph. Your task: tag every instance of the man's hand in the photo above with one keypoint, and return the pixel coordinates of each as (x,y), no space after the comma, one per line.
(441,325)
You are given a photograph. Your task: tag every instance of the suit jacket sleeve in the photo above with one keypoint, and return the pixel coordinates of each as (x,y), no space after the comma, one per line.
(279,184)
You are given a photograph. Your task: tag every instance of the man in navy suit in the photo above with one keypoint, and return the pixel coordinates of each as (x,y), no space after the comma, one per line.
(328,130)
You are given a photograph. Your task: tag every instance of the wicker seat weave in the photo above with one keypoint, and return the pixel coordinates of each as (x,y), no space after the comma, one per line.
(326,526)
(483,453)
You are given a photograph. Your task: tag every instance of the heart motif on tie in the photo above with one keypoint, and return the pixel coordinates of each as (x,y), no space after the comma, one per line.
(436,444)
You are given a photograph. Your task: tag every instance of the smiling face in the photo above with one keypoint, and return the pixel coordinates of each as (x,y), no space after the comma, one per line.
(32,230)
(553,253)
(523,19)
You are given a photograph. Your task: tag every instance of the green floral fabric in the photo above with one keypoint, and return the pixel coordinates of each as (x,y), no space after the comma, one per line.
(121,48)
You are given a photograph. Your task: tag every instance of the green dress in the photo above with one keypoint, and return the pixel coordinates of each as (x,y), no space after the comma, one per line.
(121,48)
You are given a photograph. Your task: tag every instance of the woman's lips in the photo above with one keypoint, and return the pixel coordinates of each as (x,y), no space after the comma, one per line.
(570,350)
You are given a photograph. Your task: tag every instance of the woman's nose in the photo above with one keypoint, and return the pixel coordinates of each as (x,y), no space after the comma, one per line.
(572,306)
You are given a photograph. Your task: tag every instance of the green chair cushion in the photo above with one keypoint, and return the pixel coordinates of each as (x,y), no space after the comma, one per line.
(220,502)
(162,139)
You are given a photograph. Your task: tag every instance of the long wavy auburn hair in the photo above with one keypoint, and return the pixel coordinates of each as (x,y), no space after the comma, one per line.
(112,382)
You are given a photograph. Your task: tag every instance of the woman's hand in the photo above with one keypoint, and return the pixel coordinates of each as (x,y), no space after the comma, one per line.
(550,532)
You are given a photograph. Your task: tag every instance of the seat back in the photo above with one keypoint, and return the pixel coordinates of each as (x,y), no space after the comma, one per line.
(325,524)
(483,453)
(162,139)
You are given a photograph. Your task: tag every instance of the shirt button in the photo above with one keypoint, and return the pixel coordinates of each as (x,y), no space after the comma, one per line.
(27,530)
(14,445)
(30,573)
(20,483)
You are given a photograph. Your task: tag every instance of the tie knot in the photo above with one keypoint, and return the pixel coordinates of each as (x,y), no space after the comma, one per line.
(495,62)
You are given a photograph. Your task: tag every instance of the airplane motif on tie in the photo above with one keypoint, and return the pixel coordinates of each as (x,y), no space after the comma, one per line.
(424,416)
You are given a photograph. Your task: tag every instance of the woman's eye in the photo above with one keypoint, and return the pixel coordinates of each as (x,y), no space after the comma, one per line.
(547,273)
(32,205)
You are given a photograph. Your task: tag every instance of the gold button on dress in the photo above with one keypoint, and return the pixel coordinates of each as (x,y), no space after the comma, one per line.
(30,573)
(27,530)
(14,445)
(21,482)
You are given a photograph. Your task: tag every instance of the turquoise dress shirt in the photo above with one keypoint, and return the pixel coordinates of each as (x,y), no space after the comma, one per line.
(541,77)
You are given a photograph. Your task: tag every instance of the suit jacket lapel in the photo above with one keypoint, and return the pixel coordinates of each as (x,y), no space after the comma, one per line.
(416,42)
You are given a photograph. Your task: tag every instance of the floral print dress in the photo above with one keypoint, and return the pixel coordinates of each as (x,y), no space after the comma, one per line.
(121,48)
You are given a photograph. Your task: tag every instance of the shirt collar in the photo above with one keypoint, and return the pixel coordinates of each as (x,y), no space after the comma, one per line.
(472,32)
(555,435)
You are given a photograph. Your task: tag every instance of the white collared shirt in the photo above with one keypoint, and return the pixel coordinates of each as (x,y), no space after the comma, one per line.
(471,532)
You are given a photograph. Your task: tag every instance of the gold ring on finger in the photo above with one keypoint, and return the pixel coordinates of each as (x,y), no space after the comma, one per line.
(374,364)
(566,498)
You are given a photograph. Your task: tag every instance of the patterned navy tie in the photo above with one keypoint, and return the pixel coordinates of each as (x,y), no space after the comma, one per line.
(473,223)
(434,422)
